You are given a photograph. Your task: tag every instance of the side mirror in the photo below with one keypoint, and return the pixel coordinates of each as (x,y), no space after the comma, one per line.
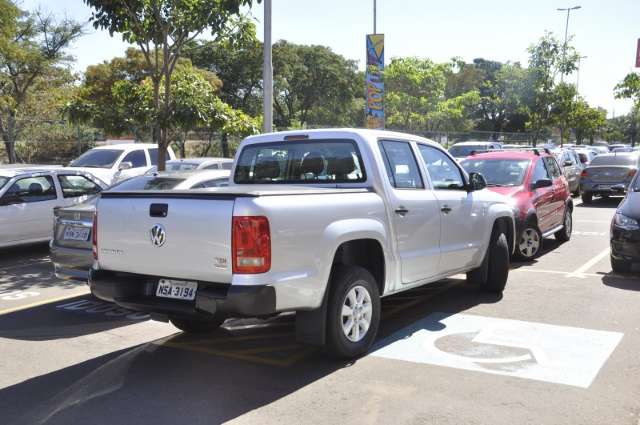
(542,183)
(10,199)
(477,182)
(568,163)
(125,166)
(618,188)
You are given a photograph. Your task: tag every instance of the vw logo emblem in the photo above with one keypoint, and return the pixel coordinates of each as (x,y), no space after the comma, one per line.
(158,235)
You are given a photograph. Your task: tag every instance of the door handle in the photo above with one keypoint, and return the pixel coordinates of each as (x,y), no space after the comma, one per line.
(402,211)
(445,209)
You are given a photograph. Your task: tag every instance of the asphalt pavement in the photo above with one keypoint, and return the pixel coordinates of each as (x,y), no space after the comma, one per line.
(561,346)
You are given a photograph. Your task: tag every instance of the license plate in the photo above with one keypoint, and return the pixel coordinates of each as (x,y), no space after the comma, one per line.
(76,233)
(177,289)
(604,186)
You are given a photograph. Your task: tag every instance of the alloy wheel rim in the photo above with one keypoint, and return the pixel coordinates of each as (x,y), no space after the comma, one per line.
(529,242)
(356,313)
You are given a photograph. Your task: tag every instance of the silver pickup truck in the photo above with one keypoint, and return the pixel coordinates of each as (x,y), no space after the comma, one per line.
(320,222)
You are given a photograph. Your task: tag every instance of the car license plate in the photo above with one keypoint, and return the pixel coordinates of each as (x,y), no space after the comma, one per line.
(76,233)
(177,289)
(604,186)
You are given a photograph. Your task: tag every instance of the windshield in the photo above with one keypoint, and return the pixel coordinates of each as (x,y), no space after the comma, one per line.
(622,160)
(499,172)
(149,183)
(466,150)
(97,158)
(306,162)
(181,166)
(3,181)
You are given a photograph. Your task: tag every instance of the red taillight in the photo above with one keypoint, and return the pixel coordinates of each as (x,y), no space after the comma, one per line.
(94,236)
(632,173)
(584,173)
(251,245)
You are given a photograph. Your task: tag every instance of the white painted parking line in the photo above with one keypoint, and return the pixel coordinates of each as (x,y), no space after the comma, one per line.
(550,353)
(579,272)
(593,221)
(567,274)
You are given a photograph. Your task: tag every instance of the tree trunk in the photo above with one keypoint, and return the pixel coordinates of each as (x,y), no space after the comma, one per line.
(10,144)
(225,145)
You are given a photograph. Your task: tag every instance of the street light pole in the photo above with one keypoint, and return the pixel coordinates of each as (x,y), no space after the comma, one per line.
(578,76)
(566,33)
(267,71)
(374,17)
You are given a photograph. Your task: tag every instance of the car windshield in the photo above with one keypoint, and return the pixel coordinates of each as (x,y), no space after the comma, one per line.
(498,172)
(304,162)
(466,150)
(620,160)
(3,181)
(98,158)
(181,166)
(149,183)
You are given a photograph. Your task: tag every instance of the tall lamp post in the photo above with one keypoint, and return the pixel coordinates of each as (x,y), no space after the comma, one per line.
(566,32)
(267,71)
(578,76)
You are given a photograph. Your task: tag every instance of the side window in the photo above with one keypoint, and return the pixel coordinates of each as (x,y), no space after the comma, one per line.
(74,186)
(31,189)
(552,166)
(443,172)
(212,167)
(153,156)
(136,158)
(401,165)
(212,183)
(540,172)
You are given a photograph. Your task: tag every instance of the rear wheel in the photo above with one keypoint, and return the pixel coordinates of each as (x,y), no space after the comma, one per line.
(353,313)
(529,243)
(197,326)
(620,266)
(564,234)
(587,197)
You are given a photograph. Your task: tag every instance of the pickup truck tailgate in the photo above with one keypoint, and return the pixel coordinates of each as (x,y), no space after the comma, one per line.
(177,236)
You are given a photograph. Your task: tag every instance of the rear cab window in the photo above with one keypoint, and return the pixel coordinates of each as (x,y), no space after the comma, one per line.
(31,189)
(300,162)
(401,165)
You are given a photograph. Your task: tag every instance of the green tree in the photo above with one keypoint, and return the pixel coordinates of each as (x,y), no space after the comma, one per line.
(548,61)
(32,50)
(161,28)
(586,121)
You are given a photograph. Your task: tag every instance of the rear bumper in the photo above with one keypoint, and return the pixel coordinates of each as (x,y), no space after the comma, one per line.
(625,244)
(598,189)
(71,263)
(137,292)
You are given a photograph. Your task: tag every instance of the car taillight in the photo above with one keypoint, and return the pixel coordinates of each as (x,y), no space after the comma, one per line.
(584,173)
(251,245)
(94,236)
(632,173)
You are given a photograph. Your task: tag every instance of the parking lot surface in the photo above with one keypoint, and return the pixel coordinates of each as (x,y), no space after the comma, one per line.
(561,346)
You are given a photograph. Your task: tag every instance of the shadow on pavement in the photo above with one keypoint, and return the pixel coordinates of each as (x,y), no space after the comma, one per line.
(73,317)
(628,281)
(158,383)
(597,202)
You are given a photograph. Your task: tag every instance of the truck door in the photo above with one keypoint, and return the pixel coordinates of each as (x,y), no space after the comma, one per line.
(414,211)
(463,220)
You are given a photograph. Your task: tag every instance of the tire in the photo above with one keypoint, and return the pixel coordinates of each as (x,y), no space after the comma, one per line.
(620,266)
(564,234)
(587,197)
(492,275)
(197,326)
(529,243)
(352,285)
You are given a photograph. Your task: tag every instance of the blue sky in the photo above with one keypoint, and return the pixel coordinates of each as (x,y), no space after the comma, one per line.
(605,31)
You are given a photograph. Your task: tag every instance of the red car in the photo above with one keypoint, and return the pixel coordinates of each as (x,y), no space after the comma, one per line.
(538,190)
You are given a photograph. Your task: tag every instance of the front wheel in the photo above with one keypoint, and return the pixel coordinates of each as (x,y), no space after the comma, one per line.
(353,313)
(197,326)
(564,234)
(620,266)
(529,243)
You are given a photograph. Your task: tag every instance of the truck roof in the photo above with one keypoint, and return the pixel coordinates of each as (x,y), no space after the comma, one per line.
(334,133)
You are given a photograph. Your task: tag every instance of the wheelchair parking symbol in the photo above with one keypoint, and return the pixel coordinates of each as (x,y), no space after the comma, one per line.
(558,354)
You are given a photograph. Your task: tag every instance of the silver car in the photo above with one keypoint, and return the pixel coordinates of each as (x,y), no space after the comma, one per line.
(72,232)
(608,174)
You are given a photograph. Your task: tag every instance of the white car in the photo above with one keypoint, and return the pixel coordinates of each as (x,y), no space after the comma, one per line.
(464,149)
(29,195)
(112,163)
(320,222)
(187,164)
